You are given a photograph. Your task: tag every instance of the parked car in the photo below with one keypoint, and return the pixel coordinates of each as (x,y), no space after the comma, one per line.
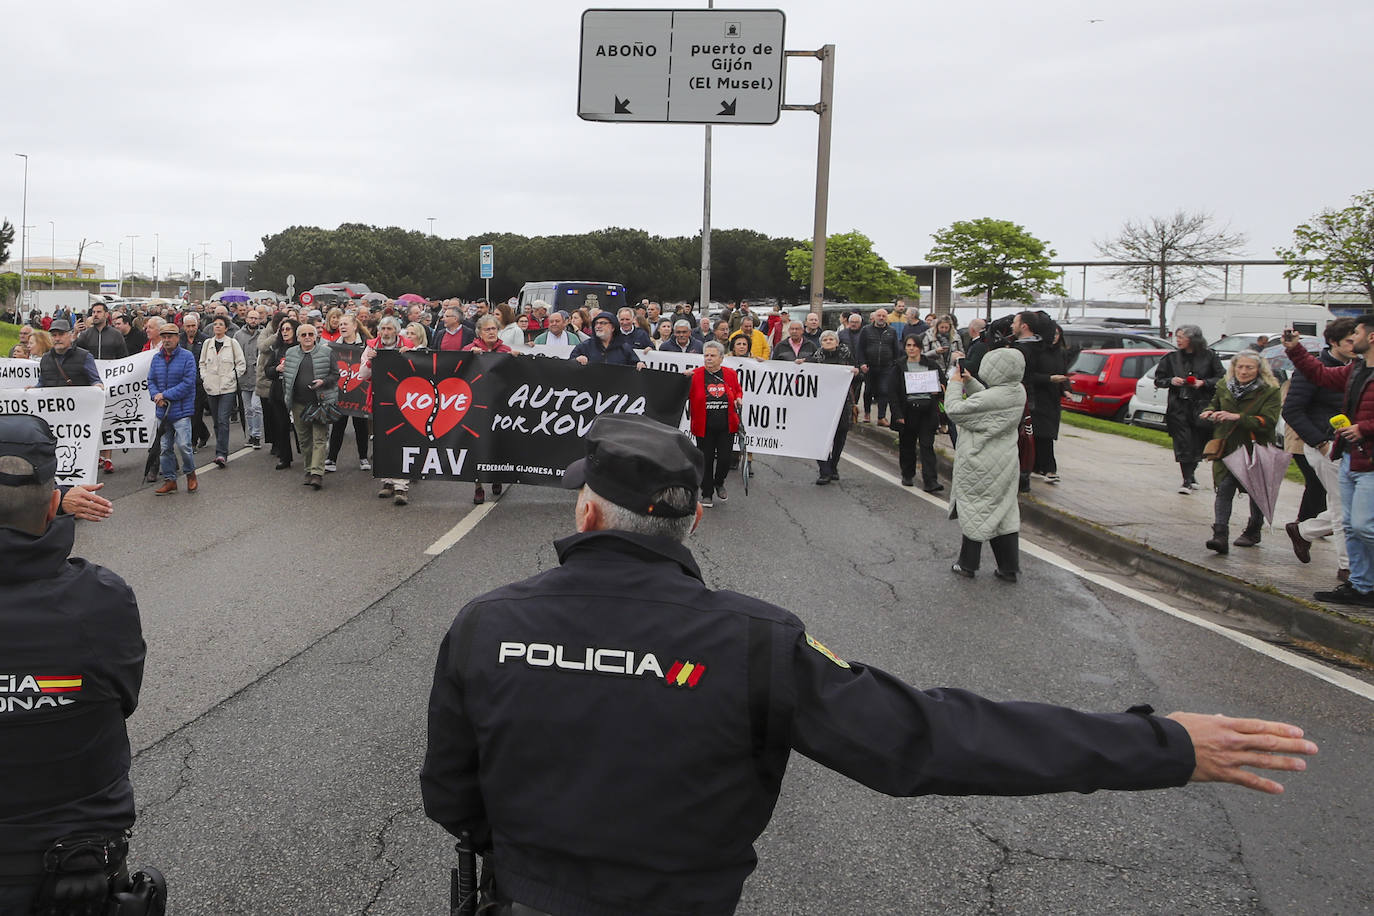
(1082,337)
(1101,382)
(1147,405)
(1232,344)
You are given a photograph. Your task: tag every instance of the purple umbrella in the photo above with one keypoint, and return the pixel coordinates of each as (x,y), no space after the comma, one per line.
(234,295)
(1260,470)
(411,297)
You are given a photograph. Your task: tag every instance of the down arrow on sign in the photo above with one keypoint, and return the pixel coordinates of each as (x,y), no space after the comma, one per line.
(622,106)
(727,108)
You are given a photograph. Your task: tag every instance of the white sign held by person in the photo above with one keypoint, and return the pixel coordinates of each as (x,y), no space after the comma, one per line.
(788,409)
(74,415)
(18,373)
(130,417)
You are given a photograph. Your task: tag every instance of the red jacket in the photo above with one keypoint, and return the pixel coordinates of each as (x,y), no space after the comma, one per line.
(696,399)
(1336,378)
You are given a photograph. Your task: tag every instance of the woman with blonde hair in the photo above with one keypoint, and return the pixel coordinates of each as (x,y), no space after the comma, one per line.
(1244,411)
(417,335)
(40,343)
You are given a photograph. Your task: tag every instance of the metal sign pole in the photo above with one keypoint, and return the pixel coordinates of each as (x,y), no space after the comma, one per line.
(706,220)
(824,108)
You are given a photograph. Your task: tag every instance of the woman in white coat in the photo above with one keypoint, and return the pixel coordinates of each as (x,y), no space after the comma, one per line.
(987,467)
(221,366)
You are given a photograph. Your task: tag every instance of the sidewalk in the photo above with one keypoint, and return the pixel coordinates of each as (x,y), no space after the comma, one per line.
(1118,497)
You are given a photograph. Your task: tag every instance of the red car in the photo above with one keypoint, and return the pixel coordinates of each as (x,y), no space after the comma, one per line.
(1101,382)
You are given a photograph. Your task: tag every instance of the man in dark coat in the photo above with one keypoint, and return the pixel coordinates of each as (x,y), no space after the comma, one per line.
(719,689)
(71,666)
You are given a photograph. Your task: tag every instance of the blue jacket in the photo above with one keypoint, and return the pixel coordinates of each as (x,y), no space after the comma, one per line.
(175,380)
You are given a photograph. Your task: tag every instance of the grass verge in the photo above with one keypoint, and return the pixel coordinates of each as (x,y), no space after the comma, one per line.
(1141,434)
(9,336)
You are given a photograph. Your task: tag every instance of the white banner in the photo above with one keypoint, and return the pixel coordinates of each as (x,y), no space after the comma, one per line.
(74,415)
(18,373)
(788,409)
(130,418)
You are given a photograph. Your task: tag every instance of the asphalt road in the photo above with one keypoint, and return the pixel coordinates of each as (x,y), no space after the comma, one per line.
(292,636)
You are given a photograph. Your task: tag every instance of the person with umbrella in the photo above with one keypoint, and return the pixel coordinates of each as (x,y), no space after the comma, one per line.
(1244,411)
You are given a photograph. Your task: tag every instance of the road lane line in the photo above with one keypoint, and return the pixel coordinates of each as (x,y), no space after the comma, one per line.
(1293,660)
(239,454)
(460,530)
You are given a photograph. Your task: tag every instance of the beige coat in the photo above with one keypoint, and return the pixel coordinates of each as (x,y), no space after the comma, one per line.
(220,371)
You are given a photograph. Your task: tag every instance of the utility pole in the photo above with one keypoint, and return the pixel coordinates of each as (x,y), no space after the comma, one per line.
(204,270)
(431,224)
(52,258)
(157,271)
(825,108)
(133,263)
(23,235)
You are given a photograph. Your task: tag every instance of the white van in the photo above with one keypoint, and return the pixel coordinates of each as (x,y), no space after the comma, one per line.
(1224,317)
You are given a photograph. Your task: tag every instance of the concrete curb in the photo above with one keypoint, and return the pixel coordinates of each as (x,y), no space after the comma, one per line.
(1235,598)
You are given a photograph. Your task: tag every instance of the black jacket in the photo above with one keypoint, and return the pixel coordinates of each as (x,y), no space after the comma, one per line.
(879,347)
(1308,409)
(71,665)
(903,403)
(783,349)
(103,344)
(74,368)
(615,732)
(1184,401)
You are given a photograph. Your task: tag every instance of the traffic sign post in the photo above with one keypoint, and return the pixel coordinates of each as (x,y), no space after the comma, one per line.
(307,299)
(682,66)
(486,260)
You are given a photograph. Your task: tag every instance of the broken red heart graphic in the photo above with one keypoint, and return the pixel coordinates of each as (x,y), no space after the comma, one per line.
(455,397)
(348,374)
(433,410)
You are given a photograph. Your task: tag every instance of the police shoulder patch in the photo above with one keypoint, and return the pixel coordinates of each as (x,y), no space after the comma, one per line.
(820,647)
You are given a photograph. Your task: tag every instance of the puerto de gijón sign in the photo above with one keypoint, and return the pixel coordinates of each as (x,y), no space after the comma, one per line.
(486,261)
(682,66)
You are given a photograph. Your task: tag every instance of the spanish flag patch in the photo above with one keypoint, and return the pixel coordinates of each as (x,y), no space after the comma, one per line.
(820,647)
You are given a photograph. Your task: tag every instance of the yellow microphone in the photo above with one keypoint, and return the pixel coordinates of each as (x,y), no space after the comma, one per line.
(1340,421)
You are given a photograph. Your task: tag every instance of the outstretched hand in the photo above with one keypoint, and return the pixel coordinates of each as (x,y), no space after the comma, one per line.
(1225,747)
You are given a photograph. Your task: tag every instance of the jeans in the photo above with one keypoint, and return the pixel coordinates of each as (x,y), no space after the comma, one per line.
(221,406)
(176,444)
(1333,519)
(252,409)
(1357,503)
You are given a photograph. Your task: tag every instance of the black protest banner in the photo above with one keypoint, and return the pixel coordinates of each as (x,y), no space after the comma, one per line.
(353,390)
(501,417)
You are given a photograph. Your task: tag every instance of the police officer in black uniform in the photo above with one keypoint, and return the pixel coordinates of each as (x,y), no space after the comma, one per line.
(71,664)
(674,707)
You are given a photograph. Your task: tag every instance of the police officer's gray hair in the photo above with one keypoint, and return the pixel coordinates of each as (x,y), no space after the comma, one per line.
(24,507)
(714,345)
(622,519)
(829,335)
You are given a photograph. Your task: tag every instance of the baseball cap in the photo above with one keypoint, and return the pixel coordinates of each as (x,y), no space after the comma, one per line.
(631,458)
(29,438)
(60,324)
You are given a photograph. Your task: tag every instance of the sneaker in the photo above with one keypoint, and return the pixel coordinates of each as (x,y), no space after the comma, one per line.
(1185,489)
(364,464)
(1039,475)
(221,462)
(1052,477)
(387,491)
(707,501)
(1345,593)
(960,571)
(255,442)
(329,466)
(402,498)
(720,494)
(107,465)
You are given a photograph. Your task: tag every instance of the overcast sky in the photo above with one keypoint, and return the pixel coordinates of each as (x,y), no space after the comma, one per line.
(226,122)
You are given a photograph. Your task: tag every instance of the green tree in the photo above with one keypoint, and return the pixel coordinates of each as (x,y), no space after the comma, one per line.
(998,259)
(1340,245)
(6,240)
(853,270)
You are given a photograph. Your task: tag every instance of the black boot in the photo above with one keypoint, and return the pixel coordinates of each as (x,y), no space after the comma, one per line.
(1218,541)
(1250,536)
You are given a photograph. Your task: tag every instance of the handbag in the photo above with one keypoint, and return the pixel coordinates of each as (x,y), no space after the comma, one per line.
(1212,450)
(326,412)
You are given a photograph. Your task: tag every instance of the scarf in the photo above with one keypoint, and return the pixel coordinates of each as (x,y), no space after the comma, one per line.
(1239,391)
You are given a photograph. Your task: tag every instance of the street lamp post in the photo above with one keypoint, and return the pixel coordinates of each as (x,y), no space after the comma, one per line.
(157,271)
(23,236)
(119,269)
(132,261)
(431,223)
(204,270)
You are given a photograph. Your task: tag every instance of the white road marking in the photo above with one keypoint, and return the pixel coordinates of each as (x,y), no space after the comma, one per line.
(239,454)
(1291,659)
(460,530)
